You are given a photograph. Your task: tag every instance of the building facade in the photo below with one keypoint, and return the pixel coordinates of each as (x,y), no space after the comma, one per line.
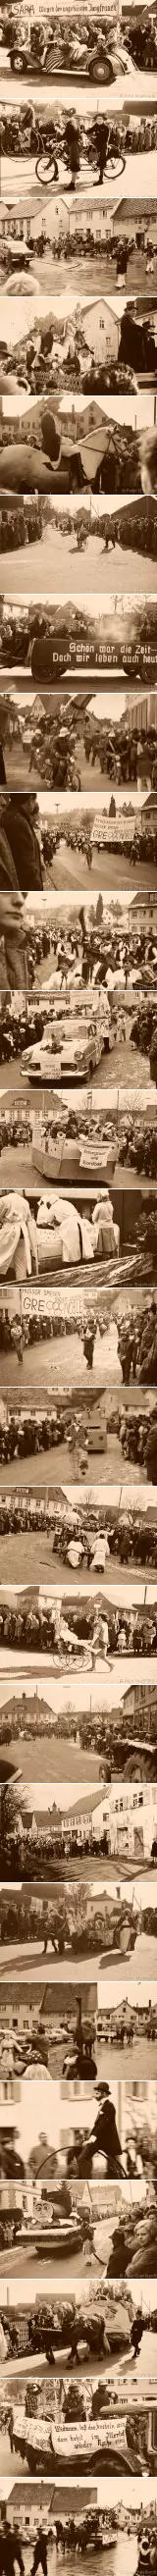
(101,328)
(131,1818)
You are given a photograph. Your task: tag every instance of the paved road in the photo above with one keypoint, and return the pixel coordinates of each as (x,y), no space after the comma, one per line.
(130,2064)
(50,1568)
(22,2265)
(138,2374)
(50,1968)
(123,2553)
(64,1465)
(41,566)
(142,1961)
(61,1361)
(49,1757)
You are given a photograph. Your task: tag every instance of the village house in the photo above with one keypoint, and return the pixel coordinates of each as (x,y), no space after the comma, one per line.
(133,213)
(101,327)
(84,1822)
(140,1705)
(142,711)
(130,1816)
(25,1712)
(86,213)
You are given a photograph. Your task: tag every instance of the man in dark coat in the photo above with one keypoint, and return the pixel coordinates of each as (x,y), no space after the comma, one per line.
(10,2547)
(103,2139)
(2,767)
(40,2552)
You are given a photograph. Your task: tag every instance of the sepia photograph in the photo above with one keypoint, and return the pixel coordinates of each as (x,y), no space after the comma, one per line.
(119,1235)
(70,2421)
(78,1687)
(98,1731)
(42,231)
(29,45)
(61,1831)
(72,1133)
(65,1625)
(89,1912)
(76,736)
(77,1919)
(90,2227)
(111,2134)
(44,639)
(122,46)
(44,1046)
(47,141)
(78,1363)
(108,1726)
(100,344)
(45,939)
(107,1340)
(59,442)
(74,2035)
(85,1733)
(32,535)
(43,2521)
(67,1922)
(49,941)
(71,1342)
(103,1436)
(49,2336)
(63,842)
(96,1026)
(51,843)
(53,1533)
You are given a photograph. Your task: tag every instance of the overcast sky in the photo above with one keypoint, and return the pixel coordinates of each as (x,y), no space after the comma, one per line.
(89,606)
(100,702)
(63,307)
(142,2293)
(135,411)
(65,906)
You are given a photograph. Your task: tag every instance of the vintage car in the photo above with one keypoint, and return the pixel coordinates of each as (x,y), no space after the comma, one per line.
(79,1052)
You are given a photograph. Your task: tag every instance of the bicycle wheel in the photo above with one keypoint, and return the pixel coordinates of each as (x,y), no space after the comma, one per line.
(44,170)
